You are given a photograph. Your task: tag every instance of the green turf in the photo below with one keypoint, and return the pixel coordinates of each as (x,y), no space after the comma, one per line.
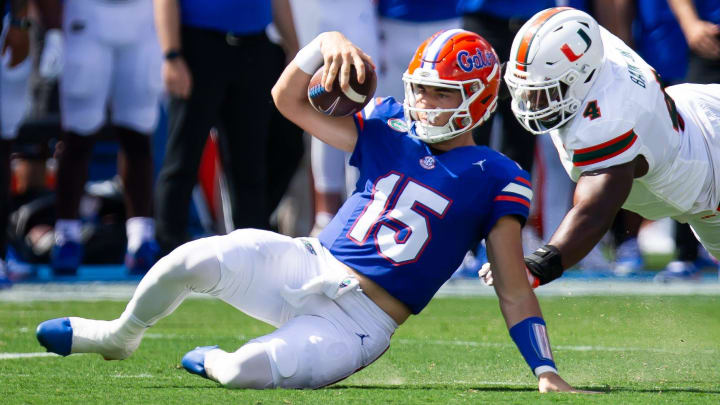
(634,349)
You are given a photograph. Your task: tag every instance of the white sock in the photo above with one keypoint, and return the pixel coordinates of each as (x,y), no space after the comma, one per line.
(67,230)
(114,340)
(139,230)
(191,267)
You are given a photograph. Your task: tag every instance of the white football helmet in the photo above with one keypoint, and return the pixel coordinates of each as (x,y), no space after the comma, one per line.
(554,61)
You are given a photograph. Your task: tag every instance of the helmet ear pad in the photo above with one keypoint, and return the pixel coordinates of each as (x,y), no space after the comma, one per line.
(460,60)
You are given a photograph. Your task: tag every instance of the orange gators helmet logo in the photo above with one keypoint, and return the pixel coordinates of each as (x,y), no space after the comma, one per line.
(460,60)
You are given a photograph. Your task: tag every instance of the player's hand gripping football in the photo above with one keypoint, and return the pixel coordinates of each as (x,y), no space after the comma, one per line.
(485,273)
(338,55)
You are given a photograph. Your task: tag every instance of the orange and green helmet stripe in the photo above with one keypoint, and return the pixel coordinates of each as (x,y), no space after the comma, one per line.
(529,36)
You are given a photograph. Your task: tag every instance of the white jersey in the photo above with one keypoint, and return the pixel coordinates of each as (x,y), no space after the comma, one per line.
(626,114)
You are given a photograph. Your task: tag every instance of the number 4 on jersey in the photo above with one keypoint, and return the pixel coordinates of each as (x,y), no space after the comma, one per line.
(592,110)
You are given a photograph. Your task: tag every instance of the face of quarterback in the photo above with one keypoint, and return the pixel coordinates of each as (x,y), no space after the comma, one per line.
(435,98)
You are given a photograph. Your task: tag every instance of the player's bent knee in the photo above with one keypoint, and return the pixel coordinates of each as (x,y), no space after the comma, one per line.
(248,367)
(193,264)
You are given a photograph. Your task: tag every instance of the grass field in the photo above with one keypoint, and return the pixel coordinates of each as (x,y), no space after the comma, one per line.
(649,350)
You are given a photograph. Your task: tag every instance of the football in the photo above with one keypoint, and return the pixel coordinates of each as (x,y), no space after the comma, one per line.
(339,103)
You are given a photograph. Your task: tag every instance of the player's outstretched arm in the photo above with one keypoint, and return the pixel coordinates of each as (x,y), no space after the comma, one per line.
(519,305)
(336,54)
(599,195)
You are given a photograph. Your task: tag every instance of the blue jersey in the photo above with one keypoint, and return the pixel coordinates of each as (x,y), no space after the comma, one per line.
(410,223)
(708,10)
(418,10)
(242,17)
(514,9)
(659,39)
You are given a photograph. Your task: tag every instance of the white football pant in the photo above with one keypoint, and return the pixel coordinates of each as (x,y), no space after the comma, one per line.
(14,91)
(318,343)
(112,54)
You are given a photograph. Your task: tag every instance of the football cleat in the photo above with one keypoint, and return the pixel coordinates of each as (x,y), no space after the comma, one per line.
(140,261)
(55,335)
(4,279)
(66,258)
(194,360)
(16,268)
(628,259)
(679,271)
(109,339)
(705,260)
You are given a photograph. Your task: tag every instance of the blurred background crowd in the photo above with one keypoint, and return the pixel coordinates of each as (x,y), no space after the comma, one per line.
(128,127)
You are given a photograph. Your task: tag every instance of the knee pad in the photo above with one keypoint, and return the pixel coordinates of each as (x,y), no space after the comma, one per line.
(309,352)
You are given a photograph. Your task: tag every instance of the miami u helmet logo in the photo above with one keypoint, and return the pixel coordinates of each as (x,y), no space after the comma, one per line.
(572,57)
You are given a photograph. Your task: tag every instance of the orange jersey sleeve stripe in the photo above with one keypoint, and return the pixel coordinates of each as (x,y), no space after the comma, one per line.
(513,199)
(360,120)
(523,180)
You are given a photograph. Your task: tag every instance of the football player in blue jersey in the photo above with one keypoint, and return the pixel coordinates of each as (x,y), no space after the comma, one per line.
(425,194)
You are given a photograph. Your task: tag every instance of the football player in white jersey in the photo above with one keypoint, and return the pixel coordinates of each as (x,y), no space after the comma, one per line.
(624,139)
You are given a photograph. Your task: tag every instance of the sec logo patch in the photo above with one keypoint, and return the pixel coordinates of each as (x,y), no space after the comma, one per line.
(428,162)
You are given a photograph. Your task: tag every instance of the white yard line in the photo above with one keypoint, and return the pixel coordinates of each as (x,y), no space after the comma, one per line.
(581,348)
(10,356)
(440,342)
(122,291)
(143,375)
(595,287)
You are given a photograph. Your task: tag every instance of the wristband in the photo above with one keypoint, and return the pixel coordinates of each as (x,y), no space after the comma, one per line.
(530,337)
(545,263)
(310,58)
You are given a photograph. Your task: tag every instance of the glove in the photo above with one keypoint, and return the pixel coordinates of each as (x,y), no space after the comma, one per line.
(485,273)
(52,58)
